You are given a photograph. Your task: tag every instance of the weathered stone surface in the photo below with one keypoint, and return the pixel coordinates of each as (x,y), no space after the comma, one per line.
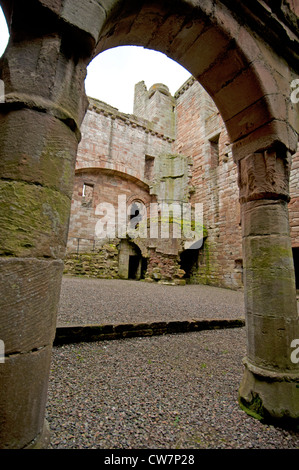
(34,220)
(262,217)
(270,396)
(294,203)
(66,334)
(101,264)
(269,340)
(213,43)
(54,95)
(266,136)
(264,175)
(48,161)
(24,383)
(86,17)
(28,307)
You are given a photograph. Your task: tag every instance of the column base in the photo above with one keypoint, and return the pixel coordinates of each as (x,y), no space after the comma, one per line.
(269,396)
(42,441)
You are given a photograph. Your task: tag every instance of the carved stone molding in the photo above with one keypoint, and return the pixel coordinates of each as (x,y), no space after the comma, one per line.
(264,175)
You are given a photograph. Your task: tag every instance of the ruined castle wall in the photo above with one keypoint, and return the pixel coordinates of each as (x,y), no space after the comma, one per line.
(202,136)
(157,106)
(117,141)
(111,161)
(119,155)
(198,123)
(294,203)
(87,210)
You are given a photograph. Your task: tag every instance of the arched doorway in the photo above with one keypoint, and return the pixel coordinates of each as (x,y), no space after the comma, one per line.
(189,261)
(43,71)
(132,265)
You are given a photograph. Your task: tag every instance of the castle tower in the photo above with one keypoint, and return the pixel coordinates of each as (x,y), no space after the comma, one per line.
(157,106)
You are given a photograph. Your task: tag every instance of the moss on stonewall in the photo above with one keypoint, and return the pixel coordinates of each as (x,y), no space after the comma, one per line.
(253,408)
(271,256)
(102,263)
(31,215)
(185,224)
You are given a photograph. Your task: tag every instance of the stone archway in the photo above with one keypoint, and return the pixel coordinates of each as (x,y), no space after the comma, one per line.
(43,71)
(130,261)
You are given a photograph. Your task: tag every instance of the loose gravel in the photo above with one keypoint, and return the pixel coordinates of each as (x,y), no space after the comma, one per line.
(163,392)
(166,392)
(113,301)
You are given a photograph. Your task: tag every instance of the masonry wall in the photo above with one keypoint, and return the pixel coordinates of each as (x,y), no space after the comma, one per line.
(116,141)
(88,211)
(202,135)
(141,156)
(214,180)
(112,159)
(157,106)
(116,158)
(294,203)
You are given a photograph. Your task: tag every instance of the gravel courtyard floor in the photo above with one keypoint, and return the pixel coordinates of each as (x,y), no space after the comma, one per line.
(163,392)
(86,301)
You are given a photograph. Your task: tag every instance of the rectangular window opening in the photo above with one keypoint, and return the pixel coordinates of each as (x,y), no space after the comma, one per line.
(87,194)
(149,167)
(214,151)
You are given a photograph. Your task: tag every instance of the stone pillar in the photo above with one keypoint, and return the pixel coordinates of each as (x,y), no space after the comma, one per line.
(270,385)
(39,133)
(123,260)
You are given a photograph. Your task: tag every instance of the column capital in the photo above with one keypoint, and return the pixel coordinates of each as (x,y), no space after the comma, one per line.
(265,174)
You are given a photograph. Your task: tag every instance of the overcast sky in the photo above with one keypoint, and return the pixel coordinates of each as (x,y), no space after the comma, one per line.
(113,74)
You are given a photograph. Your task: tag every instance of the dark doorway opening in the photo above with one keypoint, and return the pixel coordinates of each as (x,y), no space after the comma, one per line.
(296,265)
(134,261)
(143,267)
(189,261)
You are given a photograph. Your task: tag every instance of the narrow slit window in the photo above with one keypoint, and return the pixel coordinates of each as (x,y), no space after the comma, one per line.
(149,167)
(87,194)
(214,151)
